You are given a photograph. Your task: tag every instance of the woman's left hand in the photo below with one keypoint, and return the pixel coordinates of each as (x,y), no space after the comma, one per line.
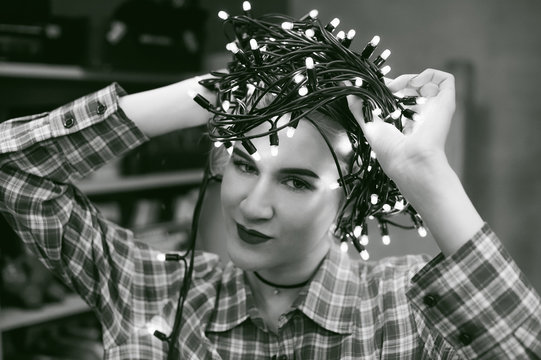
(421,144)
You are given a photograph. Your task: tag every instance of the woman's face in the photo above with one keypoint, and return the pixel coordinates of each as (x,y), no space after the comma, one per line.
(278,210)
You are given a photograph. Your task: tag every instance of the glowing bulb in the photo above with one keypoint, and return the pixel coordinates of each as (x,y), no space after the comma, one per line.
(230,150)
(217,144)
(369,168)
(364,240)
(386,239)
(287,25)
(232,46)
(396,114)
(160,257)
(256,156)
(253,44)
(310,33)
(375,40)
(225,105)
(313,13)
(420,100)
(334,186)
(385,54)
(192,94)
(341,35)
(303,90)
(358,82)
(421,231)
(274,150)
(374,199)
(223,15)
(246,6)
(351,34)
(399,205)
(290,131)
(344,247)
(364,255)
(357,231)
(335,22)
(371,217)
(373,156)
(376,112)
(309,63)
(298,78)
(385,70)
(386,207)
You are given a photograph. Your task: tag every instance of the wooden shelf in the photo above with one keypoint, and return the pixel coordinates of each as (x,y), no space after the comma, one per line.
(72,72)
(13,318)
(140,182)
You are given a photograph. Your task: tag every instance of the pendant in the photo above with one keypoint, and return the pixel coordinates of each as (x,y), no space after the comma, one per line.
(276,291)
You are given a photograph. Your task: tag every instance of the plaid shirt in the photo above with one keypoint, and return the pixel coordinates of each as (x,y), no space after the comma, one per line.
(473,304)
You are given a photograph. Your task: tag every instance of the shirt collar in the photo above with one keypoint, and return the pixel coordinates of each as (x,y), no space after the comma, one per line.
(330,300)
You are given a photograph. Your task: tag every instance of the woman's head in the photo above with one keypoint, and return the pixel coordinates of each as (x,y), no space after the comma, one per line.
(278,210)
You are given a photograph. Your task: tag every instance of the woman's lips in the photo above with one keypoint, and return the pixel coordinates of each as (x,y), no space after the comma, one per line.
(251,236)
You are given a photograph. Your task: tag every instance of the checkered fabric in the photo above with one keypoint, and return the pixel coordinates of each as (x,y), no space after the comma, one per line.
(474,304)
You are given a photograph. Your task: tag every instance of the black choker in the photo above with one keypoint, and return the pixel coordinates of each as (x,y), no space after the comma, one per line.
(278,286)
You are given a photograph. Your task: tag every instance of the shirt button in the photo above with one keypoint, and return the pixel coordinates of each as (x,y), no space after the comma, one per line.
(431,300)
(465,338)
(101,108)
(69,121)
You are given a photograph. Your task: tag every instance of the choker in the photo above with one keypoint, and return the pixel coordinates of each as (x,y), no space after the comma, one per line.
(279,286)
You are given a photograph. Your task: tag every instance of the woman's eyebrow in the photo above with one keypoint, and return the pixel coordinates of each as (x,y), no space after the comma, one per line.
(284,171)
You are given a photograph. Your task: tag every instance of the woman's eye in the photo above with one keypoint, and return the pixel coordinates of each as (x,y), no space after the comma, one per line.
(244,167)
(298,184)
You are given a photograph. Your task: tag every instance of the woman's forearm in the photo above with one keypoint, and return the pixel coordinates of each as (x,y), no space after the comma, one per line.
(162,110)
(437,194)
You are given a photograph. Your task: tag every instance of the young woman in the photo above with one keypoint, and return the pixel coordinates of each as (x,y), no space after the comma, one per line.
(288,293)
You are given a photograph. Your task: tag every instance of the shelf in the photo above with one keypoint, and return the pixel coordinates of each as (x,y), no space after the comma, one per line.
(140,182)
(72,72)
(13,318)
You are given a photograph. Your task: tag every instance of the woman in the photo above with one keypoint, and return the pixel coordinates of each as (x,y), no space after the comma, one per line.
(288,293)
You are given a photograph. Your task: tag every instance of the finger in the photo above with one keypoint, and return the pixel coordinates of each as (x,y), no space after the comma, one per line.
(429,90)
(400,82)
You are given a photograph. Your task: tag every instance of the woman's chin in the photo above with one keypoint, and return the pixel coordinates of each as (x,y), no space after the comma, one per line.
(246,259)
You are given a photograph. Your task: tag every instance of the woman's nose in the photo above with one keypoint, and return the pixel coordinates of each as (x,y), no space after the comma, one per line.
(257,203)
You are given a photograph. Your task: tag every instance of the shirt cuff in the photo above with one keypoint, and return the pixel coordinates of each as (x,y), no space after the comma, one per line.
(475,298)
(94,130)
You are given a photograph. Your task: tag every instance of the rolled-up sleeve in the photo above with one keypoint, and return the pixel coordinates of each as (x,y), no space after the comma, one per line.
(40,158)
(479,301)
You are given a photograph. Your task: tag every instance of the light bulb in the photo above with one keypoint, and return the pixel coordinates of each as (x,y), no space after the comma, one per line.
(287,25)
(298,78)
(363,240)
(422,231)
(385,70)
(160,257)
(386,239)
(341,35)
(372,154)
(385,54)
(246,6)
(309,63)
(351,34)
(225,105)
(290,131)
(376,112)
(375,40)
(274,150)
(386,207)
(335,22)
(396,114)
(344,247)
(217,144)
(357,231)
(374,199)
(358,82)
(303,90)
(310,33)
(364,255)
(314,13)
(399,205)
(223,15)
(256,156)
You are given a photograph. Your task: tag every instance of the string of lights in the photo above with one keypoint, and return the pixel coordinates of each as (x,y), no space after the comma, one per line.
(283,66)
(284,70)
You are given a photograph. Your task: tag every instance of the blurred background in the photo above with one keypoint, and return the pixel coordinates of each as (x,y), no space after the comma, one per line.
(53,51)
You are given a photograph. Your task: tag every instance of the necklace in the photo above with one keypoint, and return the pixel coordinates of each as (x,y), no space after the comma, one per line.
(277,287)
